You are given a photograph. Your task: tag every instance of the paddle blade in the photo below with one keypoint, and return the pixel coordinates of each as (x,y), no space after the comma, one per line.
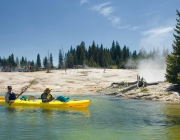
(32,83)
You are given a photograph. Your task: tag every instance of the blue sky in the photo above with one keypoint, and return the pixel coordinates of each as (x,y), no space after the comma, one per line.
(29,27)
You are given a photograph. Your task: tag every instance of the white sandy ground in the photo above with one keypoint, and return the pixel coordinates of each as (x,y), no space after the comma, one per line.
(73,81)
(80,81)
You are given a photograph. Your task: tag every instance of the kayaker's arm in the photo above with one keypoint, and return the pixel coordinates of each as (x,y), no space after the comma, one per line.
(7,98)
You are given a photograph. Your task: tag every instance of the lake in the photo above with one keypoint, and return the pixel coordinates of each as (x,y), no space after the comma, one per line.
(106,118)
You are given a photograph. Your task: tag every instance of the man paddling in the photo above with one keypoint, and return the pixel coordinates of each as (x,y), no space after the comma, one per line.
(46,96)
(10,96)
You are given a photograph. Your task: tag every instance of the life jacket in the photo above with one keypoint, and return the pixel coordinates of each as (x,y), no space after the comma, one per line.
(12,96)
(46,97)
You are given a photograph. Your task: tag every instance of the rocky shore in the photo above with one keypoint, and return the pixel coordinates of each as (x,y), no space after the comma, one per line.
(163,91)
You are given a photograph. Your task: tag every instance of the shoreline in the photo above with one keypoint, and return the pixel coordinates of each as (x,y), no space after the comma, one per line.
(80,81)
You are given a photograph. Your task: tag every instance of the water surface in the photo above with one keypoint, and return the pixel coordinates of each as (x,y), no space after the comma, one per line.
(106,118)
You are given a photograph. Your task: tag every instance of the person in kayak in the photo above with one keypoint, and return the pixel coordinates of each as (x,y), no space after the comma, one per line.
(10,96)
(46,96)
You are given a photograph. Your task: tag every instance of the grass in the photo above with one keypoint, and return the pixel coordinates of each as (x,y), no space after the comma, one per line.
(144,89)
(168,93)
(84,73)
(122,86)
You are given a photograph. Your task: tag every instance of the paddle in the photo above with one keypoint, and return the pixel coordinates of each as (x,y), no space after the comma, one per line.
(32,82)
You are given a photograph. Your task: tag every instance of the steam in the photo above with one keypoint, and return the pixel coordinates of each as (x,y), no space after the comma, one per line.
(152,70)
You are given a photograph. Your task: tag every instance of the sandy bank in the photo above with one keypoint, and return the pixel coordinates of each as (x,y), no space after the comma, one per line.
(83,81)
(73,81)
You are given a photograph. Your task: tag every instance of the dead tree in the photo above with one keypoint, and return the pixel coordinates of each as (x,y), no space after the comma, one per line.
(140,83)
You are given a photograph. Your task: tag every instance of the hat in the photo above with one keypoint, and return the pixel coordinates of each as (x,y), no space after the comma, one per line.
(48,88)
(9,87)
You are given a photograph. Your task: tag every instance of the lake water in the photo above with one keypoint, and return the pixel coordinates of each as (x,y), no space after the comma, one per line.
(106,118)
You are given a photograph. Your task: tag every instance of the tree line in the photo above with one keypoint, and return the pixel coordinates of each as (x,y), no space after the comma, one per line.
(115,57)
(94,56)
(12,64)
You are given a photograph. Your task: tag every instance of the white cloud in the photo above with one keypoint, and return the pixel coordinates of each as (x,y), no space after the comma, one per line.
(107,11)
(158,31)
(147,14)
(83,1)
(103,9)
(157,37)
(115,20)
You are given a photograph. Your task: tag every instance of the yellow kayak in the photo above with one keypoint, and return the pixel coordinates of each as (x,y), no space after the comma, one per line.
(54,103)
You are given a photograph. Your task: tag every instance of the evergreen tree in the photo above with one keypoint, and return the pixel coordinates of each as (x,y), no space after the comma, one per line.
(17,62)
(60,59)
(51,60)
(81,53)
(173,60)
(134,55)
(113,51)
(124,53)
(25,62)
(118,50)
(12,61)
(70,60)
(45,61)
(32,63)
(101,56)
(22,62)
(38,62)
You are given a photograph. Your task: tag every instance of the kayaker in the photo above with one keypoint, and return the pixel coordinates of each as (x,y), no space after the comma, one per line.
(46,96)
(10,96)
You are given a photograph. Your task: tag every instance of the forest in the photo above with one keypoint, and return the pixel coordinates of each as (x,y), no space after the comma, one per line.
(93,56)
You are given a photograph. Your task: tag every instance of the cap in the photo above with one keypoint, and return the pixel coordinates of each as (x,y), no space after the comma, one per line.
(9,87)
(48,88)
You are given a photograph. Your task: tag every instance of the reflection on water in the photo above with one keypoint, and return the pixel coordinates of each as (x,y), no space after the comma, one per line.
(106,118)
(172,112)
(48,110)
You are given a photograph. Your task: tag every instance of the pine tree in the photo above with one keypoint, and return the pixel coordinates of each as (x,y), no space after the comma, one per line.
(173,60)
(17,62)
(38,62)
(45,61)
(22,62)
(113,51)
(51,60)
(101,56)
(60,59)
